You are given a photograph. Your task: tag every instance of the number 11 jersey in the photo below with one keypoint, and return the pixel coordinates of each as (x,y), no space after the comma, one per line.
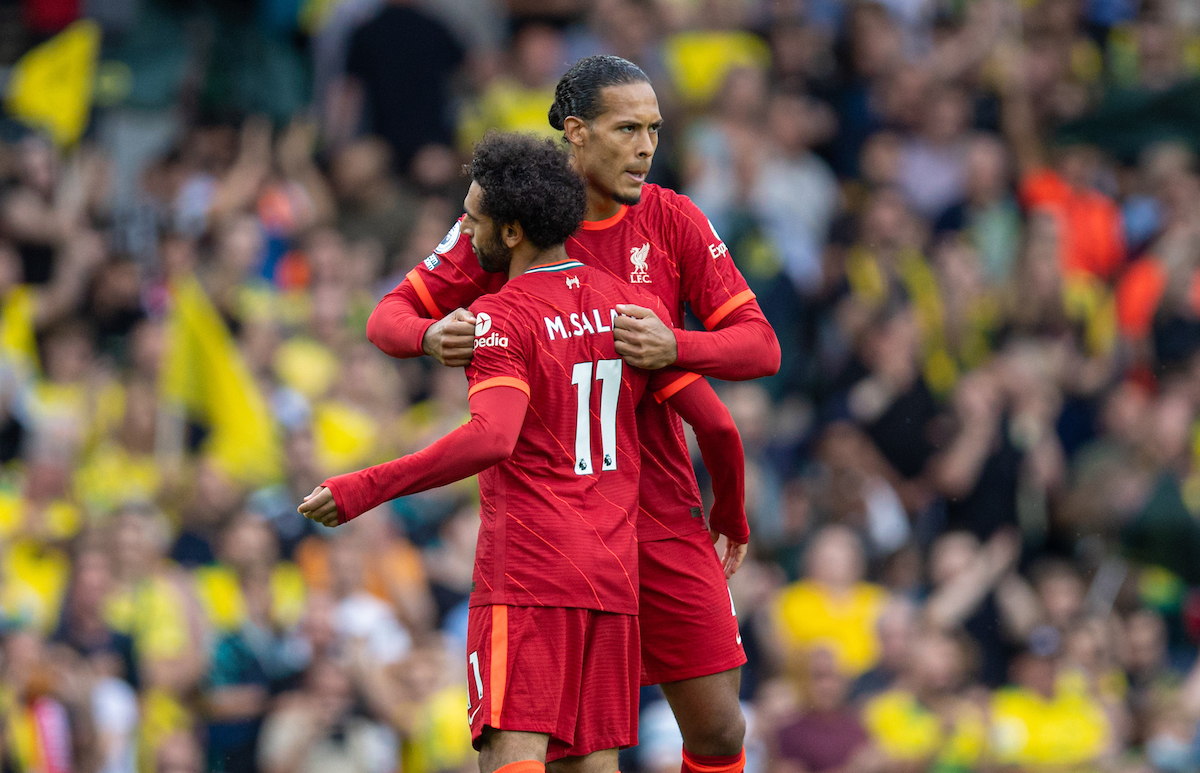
(559,515)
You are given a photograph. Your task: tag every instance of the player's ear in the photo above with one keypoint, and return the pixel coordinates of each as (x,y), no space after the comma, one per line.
(575,129)
(512,233)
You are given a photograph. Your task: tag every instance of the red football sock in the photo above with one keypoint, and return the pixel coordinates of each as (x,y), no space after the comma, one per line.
(522,766)
(696,763)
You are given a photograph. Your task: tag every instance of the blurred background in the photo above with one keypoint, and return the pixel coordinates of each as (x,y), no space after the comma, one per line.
(973,486)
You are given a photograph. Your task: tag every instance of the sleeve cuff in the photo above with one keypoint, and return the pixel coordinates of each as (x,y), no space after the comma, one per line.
(338,499)
(420,329)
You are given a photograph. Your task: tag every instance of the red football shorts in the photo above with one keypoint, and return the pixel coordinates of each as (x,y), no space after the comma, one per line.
(570,673)
(689,625)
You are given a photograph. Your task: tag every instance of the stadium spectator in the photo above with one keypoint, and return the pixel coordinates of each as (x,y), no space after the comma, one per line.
(973,226)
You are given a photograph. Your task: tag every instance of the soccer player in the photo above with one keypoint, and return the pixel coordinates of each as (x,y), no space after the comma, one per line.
(554,666)
(657,240)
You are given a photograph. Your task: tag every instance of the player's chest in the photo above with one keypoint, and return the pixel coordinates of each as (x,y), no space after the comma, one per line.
(631,255)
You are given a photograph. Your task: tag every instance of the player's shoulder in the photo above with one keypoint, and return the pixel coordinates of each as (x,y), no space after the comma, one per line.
(666,202)
(670,211)
(453,248)
(500,314)
(598,282)
(499,302)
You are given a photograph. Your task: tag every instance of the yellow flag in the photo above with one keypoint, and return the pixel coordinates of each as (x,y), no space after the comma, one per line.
(699,60)
(18,339)
(204,373)
(51,87)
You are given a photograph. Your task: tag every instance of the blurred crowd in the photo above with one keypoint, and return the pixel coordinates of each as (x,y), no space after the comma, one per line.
(973,487)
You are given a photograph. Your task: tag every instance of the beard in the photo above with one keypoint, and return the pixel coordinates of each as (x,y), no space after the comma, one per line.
(494,256)
(628,201)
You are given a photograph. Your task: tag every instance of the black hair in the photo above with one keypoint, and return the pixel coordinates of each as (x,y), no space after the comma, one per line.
(530,181)
(578,91)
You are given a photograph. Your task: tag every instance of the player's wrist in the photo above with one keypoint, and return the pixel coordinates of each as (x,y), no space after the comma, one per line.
(429,341)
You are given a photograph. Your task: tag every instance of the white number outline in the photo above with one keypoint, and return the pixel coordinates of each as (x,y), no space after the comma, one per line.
(474,661)
(608,372)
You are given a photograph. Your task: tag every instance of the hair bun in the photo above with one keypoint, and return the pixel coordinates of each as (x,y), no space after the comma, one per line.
(557,116)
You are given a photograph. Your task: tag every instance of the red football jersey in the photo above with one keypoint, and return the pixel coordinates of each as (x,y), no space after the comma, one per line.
(558,516)
(664,245)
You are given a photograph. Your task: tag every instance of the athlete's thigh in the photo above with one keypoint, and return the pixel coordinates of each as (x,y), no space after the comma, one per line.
(688,623)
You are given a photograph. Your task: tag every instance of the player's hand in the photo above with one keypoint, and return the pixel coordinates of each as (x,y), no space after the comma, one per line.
(451,340)
(642,339)
(319,506)
(735,553)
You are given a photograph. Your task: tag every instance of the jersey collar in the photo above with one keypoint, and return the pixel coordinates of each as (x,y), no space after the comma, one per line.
(608,222)
(562,265)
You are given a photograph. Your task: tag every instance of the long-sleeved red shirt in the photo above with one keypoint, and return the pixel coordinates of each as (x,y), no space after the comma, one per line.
(489,437)
(743,345)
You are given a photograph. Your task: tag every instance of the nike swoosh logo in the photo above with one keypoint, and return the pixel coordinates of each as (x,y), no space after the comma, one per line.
(471,719)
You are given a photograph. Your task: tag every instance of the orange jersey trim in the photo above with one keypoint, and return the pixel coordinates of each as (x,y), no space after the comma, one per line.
(499,381)
(723,310)
(498,678)
(423,293)
(675,387)
(608,222)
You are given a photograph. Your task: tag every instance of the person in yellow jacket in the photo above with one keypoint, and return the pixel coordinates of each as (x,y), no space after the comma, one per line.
(1052,718)
(833,607)
(927,722)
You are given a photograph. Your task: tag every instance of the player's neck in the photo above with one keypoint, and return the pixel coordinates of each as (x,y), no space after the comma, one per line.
(600,205)
(522,262)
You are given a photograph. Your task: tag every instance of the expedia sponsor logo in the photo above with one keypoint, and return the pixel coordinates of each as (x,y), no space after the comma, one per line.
(449,241)
(718,249)
(483,324)
(495,339)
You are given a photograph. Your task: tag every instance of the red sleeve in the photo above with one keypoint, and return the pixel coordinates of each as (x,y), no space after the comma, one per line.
(743,347)
(715,289)
(710,283)
(487,439)
(451,277)
(721,446)
(397,326)
(448,279)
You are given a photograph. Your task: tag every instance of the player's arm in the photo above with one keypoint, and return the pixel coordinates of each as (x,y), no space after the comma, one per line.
(742,347)
(426,313)
(487,439)
(720,444)
(400,327)
(737,344)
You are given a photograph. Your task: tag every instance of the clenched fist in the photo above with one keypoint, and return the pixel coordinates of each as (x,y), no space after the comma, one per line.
(642,339)
(451,340)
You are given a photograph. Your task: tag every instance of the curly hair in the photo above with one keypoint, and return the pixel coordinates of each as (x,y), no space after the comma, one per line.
(530,181)
(578,91)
